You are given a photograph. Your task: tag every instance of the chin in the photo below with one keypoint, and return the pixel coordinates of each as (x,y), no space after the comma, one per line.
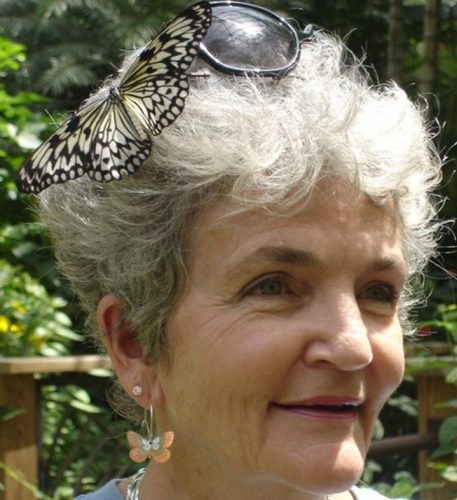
(341,477)
(346,467)
(328,470)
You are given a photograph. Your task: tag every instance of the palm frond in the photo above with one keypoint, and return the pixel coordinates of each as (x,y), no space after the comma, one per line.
(65,72)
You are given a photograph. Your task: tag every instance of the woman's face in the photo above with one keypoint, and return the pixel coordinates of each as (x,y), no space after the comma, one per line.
(286,342)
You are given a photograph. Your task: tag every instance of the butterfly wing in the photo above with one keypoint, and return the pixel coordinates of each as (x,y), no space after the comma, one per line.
(155,85)
(100,140)
(134,439)
(117,147)
(168,439)
(173,49)
(158,103)
(137,455)
(137,452)
(163,454)
(65,155)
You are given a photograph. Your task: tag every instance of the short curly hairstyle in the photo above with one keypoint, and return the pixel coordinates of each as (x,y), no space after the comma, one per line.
(265,142)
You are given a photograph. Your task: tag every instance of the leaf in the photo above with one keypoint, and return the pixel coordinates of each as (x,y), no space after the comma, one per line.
(448,432)
(417,364)
(9,412)
(24,248)
(447,404)
(404,486)
(101,372)
(442,451)
(27,140)
(451,377)
(85,407)
(450,474)
(20,477)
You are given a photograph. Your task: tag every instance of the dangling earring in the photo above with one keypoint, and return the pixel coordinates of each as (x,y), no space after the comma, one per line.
(154,445)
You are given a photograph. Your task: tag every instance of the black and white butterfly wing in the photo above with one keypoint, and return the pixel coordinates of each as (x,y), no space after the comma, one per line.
(100,140)
(64,156)
(155,86)
(118,148)
(109,137)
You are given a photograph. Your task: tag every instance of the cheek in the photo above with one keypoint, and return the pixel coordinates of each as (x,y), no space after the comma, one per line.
(389,364)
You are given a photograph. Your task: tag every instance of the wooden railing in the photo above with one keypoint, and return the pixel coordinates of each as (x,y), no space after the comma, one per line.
(19,437)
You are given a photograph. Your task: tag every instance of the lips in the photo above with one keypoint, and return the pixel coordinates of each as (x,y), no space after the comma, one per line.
(340,408)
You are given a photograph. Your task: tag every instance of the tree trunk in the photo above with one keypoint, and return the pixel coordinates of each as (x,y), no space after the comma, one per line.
(396,48)
(429,69)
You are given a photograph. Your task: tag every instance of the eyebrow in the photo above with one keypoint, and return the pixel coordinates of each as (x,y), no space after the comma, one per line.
(384,264)
(283,255)
(302,258)
(288,255)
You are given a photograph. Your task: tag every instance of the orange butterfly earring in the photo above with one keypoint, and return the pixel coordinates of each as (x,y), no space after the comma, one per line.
(154,445)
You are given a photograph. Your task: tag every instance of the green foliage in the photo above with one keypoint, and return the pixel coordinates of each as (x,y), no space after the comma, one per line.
(447,436)
(442,322)
(31,321)
(73,44)
(83,446)
(11,55)
(19,129)
(20,478)
(404,486)
(9,412)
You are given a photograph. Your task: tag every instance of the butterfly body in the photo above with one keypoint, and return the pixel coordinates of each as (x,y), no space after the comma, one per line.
(151,444)
(110,135)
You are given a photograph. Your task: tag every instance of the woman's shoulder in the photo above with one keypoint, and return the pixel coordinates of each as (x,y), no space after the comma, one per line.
(107,492)
(111,492)
(368,494)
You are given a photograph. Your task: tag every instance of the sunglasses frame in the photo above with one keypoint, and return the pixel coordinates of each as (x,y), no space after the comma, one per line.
(217,64)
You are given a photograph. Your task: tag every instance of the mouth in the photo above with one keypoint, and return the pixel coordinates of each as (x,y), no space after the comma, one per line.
(324,408)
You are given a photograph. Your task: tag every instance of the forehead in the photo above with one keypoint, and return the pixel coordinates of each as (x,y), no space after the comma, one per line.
(334,213)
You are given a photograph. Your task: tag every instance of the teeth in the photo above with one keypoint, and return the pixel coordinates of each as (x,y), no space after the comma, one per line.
(343,407)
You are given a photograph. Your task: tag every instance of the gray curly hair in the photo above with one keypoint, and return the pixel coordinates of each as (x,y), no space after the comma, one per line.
(262,141)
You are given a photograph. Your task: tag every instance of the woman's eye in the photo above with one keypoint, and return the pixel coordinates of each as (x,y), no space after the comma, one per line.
(268,287)
(381,298)
(381,293)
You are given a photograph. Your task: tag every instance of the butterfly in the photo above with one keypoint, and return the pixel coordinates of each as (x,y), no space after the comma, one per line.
(110,135)
(156,448)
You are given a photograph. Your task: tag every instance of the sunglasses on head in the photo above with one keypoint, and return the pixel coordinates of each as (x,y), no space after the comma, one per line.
(246,39)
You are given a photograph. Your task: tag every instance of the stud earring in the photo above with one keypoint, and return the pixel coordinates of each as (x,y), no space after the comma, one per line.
(154,445)
(137,390)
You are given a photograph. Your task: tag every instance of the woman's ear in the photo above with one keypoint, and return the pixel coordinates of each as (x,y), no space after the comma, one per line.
(126,353)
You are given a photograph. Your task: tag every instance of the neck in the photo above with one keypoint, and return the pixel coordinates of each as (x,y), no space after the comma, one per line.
(160,482)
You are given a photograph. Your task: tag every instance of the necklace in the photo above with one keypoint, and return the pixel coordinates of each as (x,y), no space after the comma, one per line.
(133,490)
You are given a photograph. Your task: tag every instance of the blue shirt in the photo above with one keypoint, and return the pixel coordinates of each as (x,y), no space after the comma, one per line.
(110,492)
(107,492)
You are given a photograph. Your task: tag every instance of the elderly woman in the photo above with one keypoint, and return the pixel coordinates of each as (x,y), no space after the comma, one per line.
(251,280)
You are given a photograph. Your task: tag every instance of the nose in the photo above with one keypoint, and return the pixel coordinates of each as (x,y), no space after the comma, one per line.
(339,334)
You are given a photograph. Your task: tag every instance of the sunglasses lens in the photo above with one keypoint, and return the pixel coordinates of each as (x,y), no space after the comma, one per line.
(249,39)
